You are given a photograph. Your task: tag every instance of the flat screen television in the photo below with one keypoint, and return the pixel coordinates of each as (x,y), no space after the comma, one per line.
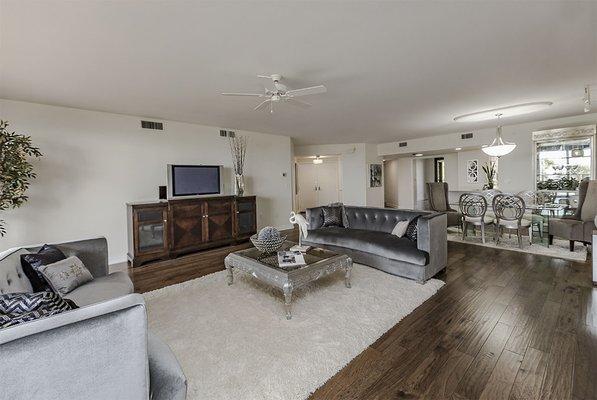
(194,180)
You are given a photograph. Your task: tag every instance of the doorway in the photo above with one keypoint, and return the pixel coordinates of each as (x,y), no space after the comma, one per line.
(317,184)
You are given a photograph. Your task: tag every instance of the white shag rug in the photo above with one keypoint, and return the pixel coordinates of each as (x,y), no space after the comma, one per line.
(234,342)
(559,249)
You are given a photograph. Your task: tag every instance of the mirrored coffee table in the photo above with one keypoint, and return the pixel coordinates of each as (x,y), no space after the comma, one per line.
(265,268)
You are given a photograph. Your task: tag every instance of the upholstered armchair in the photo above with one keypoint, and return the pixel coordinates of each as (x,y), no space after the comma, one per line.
(437,193)
(579,226)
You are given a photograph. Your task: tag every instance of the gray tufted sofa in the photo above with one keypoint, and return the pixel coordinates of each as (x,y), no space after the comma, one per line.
(367,239)
(101,350)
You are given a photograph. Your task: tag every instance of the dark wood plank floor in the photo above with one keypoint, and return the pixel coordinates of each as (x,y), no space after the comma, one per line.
(506,325)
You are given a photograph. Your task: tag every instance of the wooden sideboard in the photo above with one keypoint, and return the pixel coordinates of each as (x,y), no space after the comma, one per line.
(165,229)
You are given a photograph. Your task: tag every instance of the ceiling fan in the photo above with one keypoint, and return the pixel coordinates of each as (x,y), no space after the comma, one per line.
(281,92)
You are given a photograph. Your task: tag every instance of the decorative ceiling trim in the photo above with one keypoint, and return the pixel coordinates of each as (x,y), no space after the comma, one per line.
(561,133)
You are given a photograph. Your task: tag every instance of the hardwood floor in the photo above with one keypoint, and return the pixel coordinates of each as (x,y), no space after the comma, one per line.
(506,325)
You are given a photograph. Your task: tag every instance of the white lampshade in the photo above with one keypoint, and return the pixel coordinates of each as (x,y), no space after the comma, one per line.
(498,147)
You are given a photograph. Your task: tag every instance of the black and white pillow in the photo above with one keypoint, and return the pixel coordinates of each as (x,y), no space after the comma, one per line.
(16,308)
(31,262)
(411,230)
(332,216)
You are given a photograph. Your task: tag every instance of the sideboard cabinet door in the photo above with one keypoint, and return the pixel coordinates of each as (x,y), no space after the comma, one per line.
(150,231)
(246,217)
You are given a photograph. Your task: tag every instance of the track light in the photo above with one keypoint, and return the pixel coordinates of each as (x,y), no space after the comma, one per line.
(587,99)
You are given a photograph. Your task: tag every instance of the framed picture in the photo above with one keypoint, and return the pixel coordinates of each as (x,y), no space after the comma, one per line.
(375,178)
(472,171)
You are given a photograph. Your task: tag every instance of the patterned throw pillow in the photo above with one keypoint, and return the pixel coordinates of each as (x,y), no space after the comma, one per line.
(31,262)
(66,275)
(332,216)
(411,230)
(16,308)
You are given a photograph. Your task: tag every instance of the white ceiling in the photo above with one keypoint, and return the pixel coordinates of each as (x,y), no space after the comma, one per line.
(394,70)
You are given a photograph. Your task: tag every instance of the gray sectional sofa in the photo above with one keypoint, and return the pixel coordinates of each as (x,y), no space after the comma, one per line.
(101,350)
(366,238)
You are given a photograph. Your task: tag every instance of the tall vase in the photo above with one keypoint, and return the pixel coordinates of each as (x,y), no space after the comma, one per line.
(240,184)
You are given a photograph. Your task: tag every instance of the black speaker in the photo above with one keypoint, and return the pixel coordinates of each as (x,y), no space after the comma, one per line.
(163,195)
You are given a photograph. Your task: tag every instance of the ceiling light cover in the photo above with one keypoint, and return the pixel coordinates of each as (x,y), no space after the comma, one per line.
(317,160)
(509,111)
(458,148)
(498,147)
(418,154)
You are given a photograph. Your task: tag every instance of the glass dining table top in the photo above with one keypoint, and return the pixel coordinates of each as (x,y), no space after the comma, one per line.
(539,214)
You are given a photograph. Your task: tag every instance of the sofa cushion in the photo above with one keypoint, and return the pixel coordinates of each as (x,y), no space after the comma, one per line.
(102,288)
(48,254)
(332,216)
(379,243)
(16,308)
(66,275)
(12,276)
(411,230)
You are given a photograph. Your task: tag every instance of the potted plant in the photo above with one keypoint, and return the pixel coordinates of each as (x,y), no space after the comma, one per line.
(490,175)
(15,169)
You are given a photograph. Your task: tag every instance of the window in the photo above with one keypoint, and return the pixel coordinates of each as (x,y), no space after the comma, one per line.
(440,169)
(562,163)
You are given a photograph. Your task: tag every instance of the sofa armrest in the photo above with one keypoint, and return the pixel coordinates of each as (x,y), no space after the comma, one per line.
(168,381)
(432,237)
(79,354)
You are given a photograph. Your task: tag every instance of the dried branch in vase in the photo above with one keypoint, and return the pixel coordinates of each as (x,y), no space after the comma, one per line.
(238,148)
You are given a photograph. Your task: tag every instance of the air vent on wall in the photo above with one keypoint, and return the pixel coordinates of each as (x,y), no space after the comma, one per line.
(158,126)
(466,136)
(402,144)
(225,133)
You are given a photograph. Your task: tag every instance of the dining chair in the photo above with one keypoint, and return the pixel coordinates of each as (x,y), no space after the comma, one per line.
(530,199)
(437,193)
(473,207)
(489,194)
(509,210)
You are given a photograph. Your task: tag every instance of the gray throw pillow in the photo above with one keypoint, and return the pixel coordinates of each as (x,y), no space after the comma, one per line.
(66,275)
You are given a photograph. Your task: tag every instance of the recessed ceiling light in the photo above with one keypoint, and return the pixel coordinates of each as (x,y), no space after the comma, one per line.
(418,154)
(458,148)
(505,112)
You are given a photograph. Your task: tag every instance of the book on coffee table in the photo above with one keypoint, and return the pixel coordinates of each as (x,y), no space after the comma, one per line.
(288,259)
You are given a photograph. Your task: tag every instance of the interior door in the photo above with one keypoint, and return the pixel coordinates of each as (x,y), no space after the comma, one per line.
(327,183)
(307,185)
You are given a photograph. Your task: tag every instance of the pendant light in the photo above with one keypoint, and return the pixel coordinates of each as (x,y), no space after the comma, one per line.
(498,147)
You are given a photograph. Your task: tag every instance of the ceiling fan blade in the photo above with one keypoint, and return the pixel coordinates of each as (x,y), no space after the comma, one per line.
(262,104)
(306,91)
(297,102)
(243,94)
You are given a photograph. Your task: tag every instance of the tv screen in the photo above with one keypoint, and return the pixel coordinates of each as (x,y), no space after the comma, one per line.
(194,180)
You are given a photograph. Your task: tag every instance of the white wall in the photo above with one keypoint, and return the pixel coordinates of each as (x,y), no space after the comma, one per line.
(354,173)
(375,195)
(406,188)
(516,168)
(391,183)
(95,162)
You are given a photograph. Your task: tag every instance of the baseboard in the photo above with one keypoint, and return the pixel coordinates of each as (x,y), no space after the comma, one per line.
(117,260)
